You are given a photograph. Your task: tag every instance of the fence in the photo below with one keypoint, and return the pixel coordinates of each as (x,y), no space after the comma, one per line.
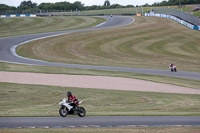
(179,14)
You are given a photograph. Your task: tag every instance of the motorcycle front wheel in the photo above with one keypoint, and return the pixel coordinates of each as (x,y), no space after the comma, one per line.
(63,112)
(82,112)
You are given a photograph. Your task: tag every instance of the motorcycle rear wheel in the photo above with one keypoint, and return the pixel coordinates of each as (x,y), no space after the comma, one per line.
(63,112)
(82,112)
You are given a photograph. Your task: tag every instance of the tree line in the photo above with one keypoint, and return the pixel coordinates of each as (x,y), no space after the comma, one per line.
(29,5)
(176,2)
(67,6)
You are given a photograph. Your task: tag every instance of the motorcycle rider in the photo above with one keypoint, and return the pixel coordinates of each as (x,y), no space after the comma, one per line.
(172,67)
(72,98)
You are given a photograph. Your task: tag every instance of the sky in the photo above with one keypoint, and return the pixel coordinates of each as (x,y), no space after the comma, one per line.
(85,2)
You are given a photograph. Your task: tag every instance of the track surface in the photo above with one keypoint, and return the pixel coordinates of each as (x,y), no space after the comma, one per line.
(99,121)
(8,45)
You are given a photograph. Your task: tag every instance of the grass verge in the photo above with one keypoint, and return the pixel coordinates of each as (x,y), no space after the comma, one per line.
(185,8)
(108,130)
(74,71)
(37,100)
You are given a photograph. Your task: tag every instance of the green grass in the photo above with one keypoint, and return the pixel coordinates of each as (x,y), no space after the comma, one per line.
(108,130)
(149,42)
(74,71)
(197,13)
(37,100)
(21,26)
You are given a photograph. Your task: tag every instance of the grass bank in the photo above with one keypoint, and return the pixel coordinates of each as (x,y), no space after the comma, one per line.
(185,8)
(21,26)
(37,100)
(149,42)
(108,130)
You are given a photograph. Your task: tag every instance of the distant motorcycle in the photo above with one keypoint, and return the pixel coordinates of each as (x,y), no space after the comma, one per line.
(173,68)
(69,108)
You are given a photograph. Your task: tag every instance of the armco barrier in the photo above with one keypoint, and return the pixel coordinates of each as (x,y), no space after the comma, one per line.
(191,26)
(17,15)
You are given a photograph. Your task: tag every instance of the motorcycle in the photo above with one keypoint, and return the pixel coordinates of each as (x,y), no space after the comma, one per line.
(69,108)
(173,68)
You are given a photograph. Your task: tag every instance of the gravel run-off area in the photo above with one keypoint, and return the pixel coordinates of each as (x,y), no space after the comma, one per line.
(98,82)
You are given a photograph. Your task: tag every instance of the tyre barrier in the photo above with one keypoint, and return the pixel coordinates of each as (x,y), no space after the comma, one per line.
(189,25)
(17,15)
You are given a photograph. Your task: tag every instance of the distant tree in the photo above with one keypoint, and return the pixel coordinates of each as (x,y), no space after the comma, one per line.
(116,6)
(107,3)
(93,7)
(164,3)
(130,6)
(62,5)
(146,5)
(176,2)
(47,6)
(6,7)
(77,5)
(27,5)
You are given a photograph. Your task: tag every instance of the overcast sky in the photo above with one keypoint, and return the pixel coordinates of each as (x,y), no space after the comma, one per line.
(85,2)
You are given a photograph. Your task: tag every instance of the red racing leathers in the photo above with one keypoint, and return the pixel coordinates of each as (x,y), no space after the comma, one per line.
(73,99)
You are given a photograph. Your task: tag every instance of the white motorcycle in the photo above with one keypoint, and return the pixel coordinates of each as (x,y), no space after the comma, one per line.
(71,109)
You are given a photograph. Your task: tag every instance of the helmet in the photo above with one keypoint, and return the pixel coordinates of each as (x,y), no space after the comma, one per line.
(69,93)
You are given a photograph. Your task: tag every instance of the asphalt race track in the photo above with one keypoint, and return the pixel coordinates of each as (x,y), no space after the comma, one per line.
(100,121)
(8,54)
